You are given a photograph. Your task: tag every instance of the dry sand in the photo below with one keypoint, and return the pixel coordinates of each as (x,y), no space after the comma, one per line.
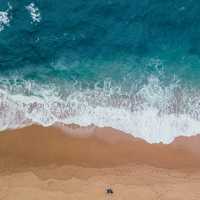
(50,163)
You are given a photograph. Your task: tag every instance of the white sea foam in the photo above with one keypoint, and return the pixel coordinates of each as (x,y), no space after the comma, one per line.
(5,18)
(34,12)
(155,113)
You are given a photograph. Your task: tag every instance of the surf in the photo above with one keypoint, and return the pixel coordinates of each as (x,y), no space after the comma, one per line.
(154,112)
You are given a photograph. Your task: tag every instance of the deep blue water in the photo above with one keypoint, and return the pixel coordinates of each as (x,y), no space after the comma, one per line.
(110,54)
(87,37)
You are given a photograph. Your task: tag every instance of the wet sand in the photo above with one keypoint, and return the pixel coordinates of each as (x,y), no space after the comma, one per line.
(58,163)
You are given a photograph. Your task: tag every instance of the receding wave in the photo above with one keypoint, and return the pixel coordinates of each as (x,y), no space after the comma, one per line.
(153,111)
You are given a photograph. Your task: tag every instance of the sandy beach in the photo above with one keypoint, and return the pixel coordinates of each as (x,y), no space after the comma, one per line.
(58,163)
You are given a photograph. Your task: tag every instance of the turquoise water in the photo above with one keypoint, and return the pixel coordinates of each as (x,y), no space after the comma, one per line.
(132,65)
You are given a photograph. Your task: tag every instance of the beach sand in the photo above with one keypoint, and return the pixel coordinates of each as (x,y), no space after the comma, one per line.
(60,163)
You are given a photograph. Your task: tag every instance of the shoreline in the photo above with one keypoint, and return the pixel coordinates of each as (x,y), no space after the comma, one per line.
(103,147)
(51,163)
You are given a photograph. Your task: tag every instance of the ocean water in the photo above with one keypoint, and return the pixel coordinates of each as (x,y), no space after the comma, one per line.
(131,65)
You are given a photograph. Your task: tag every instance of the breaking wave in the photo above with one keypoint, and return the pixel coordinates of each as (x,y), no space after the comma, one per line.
(153,112)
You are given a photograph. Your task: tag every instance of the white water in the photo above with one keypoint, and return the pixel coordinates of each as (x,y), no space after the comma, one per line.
(5,18)
(34,12)
(154,113)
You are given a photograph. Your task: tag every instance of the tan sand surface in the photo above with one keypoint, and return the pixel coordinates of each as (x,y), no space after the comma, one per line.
(50,163)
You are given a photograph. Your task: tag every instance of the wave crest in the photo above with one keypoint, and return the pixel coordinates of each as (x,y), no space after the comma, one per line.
(5,18)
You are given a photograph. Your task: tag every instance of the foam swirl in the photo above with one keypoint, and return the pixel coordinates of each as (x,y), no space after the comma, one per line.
(154,112)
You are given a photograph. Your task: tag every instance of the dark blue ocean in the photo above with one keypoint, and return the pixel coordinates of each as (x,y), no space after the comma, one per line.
(128,64)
